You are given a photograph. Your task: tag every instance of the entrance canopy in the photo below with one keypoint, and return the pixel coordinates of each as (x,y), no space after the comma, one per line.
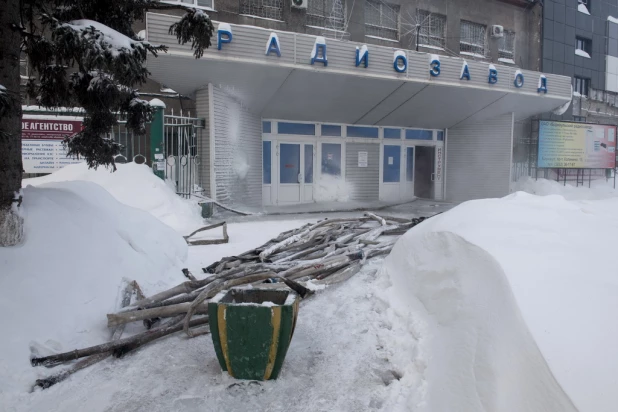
(396,88)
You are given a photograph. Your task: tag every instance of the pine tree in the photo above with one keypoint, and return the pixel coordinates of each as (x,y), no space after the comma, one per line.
(83,54)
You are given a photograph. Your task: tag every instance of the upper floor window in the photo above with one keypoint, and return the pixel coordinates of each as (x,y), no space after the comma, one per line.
(381,20)
(506,47)
(329,14)
(473,39)
(583,47)
(268,9)
(207,4)
(432,29)
(581,85)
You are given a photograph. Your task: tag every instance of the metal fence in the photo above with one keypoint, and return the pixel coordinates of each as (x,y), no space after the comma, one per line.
(181,137)
(135,148)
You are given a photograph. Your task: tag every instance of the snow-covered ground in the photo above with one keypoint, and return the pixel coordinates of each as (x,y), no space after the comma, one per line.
(496,305)
(134,185)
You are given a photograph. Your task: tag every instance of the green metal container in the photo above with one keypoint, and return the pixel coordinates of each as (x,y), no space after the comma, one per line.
(251,330)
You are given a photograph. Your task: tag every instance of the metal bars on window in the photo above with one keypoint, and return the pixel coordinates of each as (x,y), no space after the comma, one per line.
(329,14)
(432,29)
(269,9)
(381,20)
(473,39)
(506,46)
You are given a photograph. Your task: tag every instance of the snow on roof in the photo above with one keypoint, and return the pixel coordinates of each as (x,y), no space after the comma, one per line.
(612,19)
(318,40)
(463,67)
(492,67)
(434,57)
(399,53)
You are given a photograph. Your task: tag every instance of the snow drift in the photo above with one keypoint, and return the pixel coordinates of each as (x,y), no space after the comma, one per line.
(134,185)
(491,280)
(600,189)
(57,286)
(481,355)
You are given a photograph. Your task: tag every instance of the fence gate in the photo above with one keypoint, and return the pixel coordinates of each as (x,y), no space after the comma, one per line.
(181,137)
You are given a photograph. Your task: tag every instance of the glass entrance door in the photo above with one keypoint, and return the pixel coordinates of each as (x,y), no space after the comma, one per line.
(295,173)
(408,179)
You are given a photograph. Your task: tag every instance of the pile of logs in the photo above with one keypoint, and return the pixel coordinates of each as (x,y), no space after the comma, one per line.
(324,253)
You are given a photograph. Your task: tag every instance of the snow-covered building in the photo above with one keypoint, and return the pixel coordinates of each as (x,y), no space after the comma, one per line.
(297,118)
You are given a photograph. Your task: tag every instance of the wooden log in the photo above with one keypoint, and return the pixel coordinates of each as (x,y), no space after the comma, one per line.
(378,219)
(188,275)
(341,275)
(115,319)
(118,345)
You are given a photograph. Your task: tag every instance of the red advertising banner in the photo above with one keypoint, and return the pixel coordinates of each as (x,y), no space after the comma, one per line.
(42,150)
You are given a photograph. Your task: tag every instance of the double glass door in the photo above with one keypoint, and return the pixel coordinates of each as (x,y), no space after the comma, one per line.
(296,162)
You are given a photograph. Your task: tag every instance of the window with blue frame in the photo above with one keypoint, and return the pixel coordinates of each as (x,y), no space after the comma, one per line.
(390,133)
(306,129)
(440,136)
(362,131)
(331,159)
(266,162)
(417,134)
(331,130)
(266,127)
(391,163)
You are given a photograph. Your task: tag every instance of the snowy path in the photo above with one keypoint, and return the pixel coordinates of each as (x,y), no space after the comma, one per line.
(337,362)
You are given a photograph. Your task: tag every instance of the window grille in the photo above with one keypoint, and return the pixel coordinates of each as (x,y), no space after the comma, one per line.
(473,39)
(200,3)
(381,20)
(506,46)
(269,9)
(326,13)
(433,29)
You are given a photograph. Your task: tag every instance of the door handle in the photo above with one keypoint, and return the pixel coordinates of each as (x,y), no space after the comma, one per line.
(300,178)
(433,177)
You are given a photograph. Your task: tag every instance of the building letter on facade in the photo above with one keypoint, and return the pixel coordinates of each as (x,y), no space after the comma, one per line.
(493,75)
(519,79)
(434,65)
(318,54)
(465,72)
(273,45)
(542,84)
(400,62)
(362,56)
(224,34)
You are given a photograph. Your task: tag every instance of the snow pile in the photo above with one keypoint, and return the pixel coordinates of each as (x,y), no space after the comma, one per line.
(512,302)
(134,185)
(329,188)
(600,189)
(57,286)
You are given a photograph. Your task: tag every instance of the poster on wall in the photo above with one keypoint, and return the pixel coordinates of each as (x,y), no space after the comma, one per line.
(362,159)
(42,150)
(439,163)
(570,145)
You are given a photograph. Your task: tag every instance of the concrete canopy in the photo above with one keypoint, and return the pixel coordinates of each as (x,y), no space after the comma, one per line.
(290,88)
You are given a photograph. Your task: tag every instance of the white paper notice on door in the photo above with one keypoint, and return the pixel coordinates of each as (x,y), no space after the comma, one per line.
(390,160)
(362,159)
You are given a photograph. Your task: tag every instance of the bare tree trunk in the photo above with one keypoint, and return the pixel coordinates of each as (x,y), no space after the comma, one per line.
(11,223)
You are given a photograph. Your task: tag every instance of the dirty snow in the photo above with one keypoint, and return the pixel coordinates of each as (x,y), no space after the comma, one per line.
(134,185)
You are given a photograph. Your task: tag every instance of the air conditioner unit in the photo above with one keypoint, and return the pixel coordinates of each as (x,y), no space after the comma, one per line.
(497,31)
(300,4)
